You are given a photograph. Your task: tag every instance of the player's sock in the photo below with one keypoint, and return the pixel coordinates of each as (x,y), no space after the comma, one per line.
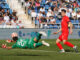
(62,51)
(38,44)
(69,44)
(60,46)
(75,49)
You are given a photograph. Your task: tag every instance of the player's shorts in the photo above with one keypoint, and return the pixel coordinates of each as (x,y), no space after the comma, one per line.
(63,36)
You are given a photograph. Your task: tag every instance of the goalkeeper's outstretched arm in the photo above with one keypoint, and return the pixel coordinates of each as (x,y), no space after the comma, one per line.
(4,46)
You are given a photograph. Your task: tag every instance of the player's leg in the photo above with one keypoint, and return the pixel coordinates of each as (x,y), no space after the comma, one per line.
(59,45)
(41,43)
(65,38)
(32,44)
(70,45)
(38,44)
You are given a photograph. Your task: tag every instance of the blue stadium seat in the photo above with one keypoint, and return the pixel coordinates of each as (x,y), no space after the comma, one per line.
(5,10)
(10,11)
(50,4)
(3,0)
(79,27)
(76,26)
(35,8)
(57,21)
(41,5)
(72,21)
(46,11)
(36,21)
(55,27)
(36,11)
(29,11)
(78,2)
(1,5)
(50,26)
(43,1)
(46,7)
(53,0)
(7,6)
(44,15)
(77,21)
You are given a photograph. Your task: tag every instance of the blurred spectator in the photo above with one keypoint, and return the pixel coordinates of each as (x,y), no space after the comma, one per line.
(14,13)
(8,12)
(78,15)
(40,15)
(22,1)
(74,15)
(52,20)
(38,9)
(14,23)
(27,4)
(1,18)
(42,10)
(3,12)
(49,14)
(75,4)
(50,10)
(33,15)
(20,24)
(68,14)
(37,4)
(6,18)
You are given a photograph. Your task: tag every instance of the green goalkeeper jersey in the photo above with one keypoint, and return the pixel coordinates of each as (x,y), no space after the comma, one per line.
(21,43)
(24,43)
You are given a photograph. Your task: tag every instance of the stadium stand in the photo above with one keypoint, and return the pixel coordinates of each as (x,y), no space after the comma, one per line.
(47,13)
(12,15)
(38,13)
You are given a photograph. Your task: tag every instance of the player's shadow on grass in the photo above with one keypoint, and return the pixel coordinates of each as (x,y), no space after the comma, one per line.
(30,55)
(68,50)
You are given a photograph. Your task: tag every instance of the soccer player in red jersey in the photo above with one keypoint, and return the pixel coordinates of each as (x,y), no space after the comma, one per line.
(65,32)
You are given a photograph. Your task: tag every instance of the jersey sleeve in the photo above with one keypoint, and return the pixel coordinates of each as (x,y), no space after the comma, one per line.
(67,19)
(14,46)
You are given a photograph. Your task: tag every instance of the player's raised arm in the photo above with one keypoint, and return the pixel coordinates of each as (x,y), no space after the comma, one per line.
(71,26)
(58,31)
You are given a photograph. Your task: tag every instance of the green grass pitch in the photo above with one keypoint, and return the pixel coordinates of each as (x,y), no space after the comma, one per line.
(41,53)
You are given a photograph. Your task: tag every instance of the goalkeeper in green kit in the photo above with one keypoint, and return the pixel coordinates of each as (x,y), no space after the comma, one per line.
(31,43)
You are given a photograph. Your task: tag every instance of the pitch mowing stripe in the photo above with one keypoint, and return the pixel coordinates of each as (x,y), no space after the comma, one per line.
(52,51)
(45,51)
